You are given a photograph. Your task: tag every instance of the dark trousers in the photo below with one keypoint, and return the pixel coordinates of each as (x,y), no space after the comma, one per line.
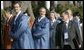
(67,47)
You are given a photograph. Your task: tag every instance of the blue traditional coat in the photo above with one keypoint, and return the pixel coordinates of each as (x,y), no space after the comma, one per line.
(21,33)
(40,32)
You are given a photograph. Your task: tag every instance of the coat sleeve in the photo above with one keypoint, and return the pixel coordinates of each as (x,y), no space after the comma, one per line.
(21,28)
(78,33)
(44,29)
(57,39)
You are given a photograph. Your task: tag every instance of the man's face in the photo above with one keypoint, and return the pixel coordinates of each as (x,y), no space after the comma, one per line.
(42,12)
(52,15)
(64,17)
(17,7)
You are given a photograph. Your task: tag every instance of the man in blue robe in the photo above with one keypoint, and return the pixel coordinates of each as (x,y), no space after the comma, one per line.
(40,30)
(20,31)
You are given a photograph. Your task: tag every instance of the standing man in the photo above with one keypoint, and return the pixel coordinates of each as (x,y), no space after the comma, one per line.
(40,30)
(77,20)
(20,31)
(53,23)
(67,33)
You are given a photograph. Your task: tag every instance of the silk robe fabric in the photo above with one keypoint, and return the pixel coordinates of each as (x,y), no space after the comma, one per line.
(40,31)
(21,34)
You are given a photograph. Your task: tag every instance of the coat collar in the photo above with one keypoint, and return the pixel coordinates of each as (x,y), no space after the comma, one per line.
(40,18)
(17,15)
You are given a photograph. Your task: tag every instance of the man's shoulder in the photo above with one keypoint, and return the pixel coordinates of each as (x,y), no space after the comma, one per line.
(24,16)
(58,21)
(73,22)
(46,19)
(60,24)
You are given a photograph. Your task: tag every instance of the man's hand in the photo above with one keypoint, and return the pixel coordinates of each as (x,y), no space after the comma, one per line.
(57,47)
(11,40)
(80,46)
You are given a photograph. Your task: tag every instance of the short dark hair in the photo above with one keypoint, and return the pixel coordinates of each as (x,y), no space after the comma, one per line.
(17,2)
(8,9)
(76,14)
(65,12)
(52,12)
